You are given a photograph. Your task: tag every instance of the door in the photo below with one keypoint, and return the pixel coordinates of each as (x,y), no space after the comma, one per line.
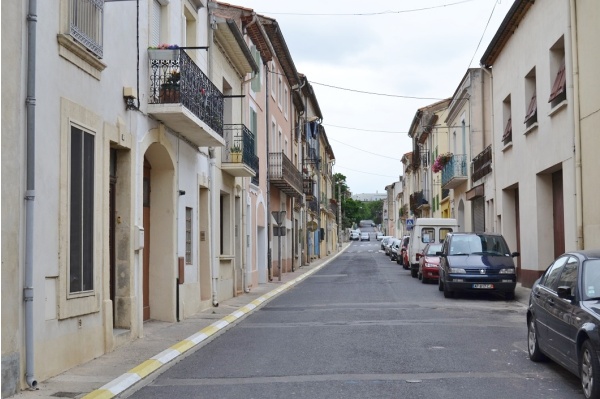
(146,265)
(111,228)
(558,213)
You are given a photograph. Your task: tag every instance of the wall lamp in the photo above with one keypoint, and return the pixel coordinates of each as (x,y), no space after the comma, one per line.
(129,97)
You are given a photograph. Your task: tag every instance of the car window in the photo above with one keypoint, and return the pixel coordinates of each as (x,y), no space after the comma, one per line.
(553,273)
(591,279)
(433,249)
(568,277)
(444,232)
(427,235)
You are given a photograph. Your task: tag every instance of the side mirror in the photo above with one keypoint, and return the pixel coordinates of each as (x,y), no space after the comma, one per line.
(564,292)
(515,254)
(419,256)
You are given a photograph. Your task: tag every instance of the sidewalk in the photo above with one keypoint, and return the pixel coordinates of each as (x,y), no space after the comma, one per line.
(113,373)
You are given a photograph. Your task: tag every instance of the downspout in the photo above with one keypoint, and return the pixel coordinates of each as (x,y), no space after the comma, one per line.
(246,228)
(30,193)
(577,128)
(269,260)
(214,264)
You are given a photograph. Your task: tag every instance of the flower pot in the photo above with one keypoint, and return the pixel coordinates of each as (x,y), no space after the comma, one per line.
(236,157)
(169,93)
(164,55)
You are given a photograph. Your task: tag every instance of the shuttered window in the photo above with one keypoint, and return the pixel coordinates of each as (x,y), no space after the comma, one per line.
(81,208)
(507,136)
(155,23)
(257,78)
(478,206)
(558,93)
(531,116)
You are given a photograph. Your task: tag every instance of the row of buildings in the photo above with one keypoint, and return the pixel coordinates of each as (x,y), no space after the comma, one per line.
(165,155)
(515,148)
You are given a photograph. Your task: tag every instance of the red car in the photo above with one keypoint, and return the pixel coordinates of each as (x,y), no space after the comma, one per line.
(429,263)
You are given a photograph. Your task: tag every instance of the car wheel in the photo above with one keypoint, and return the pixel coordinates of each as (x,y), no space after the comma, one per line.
(413,273)
(440,285)
(398,261)
(535,353)
(424,280)
(447,292)
(589,369)
(509,295)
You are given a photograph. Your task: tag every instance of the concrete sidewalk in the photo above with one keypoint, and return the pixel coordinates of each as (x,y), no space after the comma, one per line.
(163,343)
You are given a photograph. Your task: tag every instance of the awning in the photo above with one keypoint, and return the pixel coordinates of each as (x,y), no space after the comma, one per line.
(475,192)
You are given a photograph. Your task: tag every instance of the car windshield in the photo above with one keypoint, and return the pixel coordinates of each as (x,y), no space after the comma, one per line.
(478,244)
(591,279)
(433,249)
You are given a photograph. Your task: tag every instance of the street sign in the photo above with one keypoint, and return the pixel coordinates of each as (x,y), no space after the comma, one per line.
(279,231)
(410,224)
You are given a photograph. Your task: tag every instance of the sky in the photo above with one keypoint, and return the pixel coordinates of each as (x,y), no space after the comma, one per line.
(374,63)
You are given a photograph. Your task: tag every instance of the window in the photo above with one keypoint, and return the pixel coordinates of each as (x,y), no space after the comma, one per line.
(530,99)
(188,235)
(285,101)
(550,279)
(427,235)
(86,23)
(558,75)
(507,135)
(568,277)
(279,91)
(257,77)
(273,79)
(444,232)
(81,209)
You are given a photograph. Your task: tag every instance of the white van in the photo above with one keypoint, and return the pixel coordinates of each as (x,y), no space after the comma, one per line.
(424,231)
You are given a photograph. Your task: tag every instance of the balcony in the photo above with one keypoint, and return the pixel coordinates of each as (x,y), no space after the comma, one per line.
(482,164)
(418,202)
(238,156)
(284,175)
(184,99)
(309,188)
(455,172)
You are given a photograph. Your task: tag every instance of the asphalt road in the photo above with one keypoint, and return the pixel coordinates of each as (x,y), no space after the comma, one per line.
(362,327)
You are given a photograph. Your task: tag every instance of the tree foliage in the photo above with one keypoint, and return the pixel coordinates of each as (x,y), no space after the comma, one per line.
(354,211)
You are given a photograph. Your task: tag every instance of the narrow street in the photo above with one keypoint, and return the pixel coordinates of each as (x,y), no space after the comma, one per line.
(362,327)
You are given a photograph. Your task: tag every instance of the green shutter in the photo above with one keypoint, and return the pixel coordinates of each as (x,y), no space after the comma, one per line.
(256,79)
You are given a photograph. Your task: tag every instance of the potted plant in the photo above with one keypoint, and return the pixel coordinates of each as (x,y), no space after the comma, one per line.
(441,161)
(236,153)
(170,89)
(164,52)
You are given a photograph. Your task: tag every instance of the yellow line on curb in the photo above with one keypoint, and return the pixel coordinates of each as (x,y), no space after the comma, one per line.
(146,368)
(99,394)
(183,346)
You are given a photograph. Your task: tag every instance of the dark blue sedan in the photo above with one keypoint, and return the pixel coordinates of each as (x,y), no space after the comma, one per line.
(563,317)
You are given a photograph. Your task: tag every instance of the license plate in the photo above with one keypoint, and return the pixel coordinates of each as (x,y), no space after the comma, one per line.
(483,286)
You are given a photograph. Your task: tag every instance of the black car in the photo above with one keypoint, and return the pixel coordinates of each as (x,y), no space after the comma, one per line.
(477,262)
(563,318)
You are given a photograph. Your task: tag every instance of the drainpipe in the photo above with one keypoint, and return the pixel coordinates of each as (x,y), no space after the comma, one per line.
(30,194)
(246,221)
(214,264)
(577,128)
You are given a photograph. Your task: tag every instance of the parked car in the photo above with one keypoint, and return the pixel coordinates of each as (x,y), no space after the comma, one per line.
(379,236)
(429,263)
(365,237)
(404,258)
(395,249)
(477,262)
(563,320)
(387,245)
(425,231)
(354,235)
(384,241)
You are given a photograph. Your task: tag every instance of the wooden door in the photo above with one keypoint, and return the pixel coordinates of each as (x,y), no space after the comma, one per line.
(146,266)
(558,214)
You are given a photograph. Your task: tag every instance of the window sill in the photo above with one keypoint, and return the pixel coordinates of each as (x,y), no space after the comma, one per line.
(507,146)
(75,53)
(557,108)
(531,128)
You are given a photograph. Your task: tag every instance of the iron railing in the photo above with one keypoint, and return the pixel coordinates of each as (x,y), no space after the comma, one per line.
(284,175)
(86,23)
(238,136)
(456,167)
(179,80)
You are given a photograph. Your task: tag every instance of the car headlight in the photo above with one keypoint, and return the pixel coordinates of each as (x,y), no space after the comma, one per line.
(427,264)
(508,270)
(457,270)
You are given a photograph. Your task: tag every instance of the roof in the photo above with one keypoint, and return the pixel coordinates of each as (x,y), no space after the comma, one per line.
(282,51)
(508,26)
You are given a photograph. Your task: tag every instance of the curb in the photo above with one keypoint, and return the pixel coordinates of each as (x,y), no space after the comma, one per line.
(143,370)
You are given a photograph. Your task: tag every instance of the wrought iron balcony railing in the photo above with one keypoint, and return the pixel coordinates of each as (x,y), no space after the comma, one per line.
(176,79)
(455,172)
(284,175)
(239,151)
(309,188)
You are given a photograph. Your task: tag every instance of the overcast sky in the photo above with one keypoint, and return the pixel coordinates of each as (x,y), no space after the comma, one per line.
(398,48)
